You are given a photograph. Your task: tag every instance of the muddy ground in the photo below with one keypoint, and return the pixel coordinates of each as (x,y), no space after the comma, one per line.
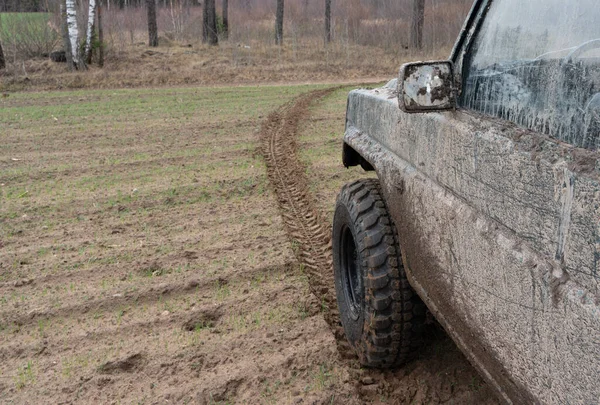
(171,246)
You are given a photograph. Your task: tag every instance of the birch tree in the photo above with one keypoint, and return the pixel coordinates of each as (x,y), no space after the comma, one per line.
(279,23)
(73,33)
(416,32)
(65,34)
(87,55)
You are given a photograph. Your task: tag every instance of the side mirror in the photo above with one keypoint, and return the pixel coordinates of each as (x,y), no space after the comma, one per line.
(426,86)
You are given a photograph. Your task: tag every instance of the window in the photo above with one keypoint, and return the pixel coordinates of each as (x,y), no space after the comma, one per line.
(537,63)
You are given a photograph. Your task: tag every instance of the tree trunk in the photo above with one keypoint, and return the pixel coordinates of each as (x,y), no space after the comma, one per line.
(279,23)
(100,36)
(74,34)
(152,25)
(89,37)
(2,60)
(327,21)
(416,32)
(213,33)
(65,34)
(225,19)
(209,23)
(305,12)
(205,21)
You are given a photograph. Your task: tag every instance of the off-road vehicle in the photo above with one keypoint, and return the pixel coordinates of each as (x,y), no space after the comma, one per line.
(487,203)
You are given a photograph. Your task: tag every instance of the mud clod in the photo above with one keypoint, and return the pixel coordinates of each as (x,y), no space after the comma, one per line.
(127,365)
(584,161)
(367,380)
(190,255)
(221,393)
(203,319)
(23,282)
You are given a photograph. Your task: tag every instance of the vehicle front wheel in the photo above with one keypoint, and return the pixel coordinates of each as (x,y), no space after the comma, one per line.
(382,316)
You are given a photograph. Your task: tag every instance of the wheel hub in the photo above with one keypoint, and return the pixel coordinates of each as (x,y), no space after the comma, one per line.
(351,274)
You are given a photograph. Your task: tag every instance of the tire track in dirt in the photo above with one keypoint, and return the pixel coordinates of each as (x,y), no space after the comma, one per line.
(304,223)
(440,374)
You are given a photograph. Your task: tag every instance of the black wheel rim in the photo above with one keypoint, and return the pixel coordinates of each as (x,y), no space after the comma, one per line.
(351,274)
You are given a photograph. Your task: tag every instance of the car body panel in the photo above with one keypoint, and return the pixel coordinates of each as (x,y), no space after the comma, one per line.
(499,229)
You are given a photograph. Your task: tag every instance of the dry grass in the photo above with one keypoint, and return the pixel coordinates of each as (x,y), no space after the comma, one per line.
(230,63)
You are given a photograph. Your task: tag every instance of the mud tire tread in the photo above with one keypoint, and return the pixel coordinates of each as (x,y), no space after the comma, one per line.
(393,313)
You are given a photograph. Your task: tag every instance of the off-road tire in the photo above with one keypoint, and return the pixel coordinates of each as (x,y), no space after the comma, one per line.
(381,314)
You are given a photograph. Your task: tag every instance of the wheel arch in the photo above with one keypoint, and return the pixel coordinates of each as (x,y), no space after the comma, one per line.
(351,157)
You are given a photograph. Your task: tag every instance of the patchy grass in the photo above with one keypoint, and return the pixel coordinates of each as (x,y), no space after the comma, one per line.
(123,212)
(25,375)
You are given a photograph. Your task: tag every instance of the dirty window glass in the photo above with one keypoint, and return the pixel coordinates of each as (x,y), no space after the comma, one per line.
(537,63)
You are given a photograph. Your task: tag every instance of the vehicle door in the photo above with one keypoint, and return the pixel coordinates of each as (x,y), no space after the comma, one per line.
(498,202)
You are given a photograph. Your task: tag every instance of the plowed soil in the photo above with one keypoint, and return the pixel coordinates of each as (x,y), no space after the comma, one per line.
(172,246)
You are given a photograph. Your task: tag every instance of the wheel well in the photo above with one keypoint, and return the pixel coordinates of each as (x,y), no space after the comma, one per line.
(351,157)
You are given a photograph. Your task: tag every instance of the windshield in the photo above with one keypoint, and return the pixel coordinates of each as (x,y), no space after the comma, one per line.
(537,63)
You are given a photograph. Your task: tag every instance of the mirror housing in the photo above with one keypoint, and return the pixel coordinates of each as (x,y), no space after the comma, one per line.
(427,86)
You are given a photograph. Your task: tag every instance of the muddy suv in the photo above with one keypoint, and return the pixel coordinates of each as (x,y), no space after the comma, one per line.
(487,203)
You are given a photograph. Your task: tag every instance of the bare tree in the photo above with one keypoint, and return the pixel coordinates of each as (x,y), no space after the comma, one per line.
(305,11)
(225,19)
(327,21)
(418,17)
(2,60)
(214,32)
(87,54)
(209,23)
(152,25)
(205,21)
(279,23)
(100,36)
(65,34)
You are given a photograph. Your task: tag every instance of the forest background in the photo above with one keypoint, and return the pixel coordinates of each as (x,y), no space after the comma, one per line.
(356,40)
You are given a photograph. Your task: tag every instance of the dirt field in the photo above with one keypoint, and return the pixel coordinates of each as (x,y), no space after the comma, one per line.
(161,246)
